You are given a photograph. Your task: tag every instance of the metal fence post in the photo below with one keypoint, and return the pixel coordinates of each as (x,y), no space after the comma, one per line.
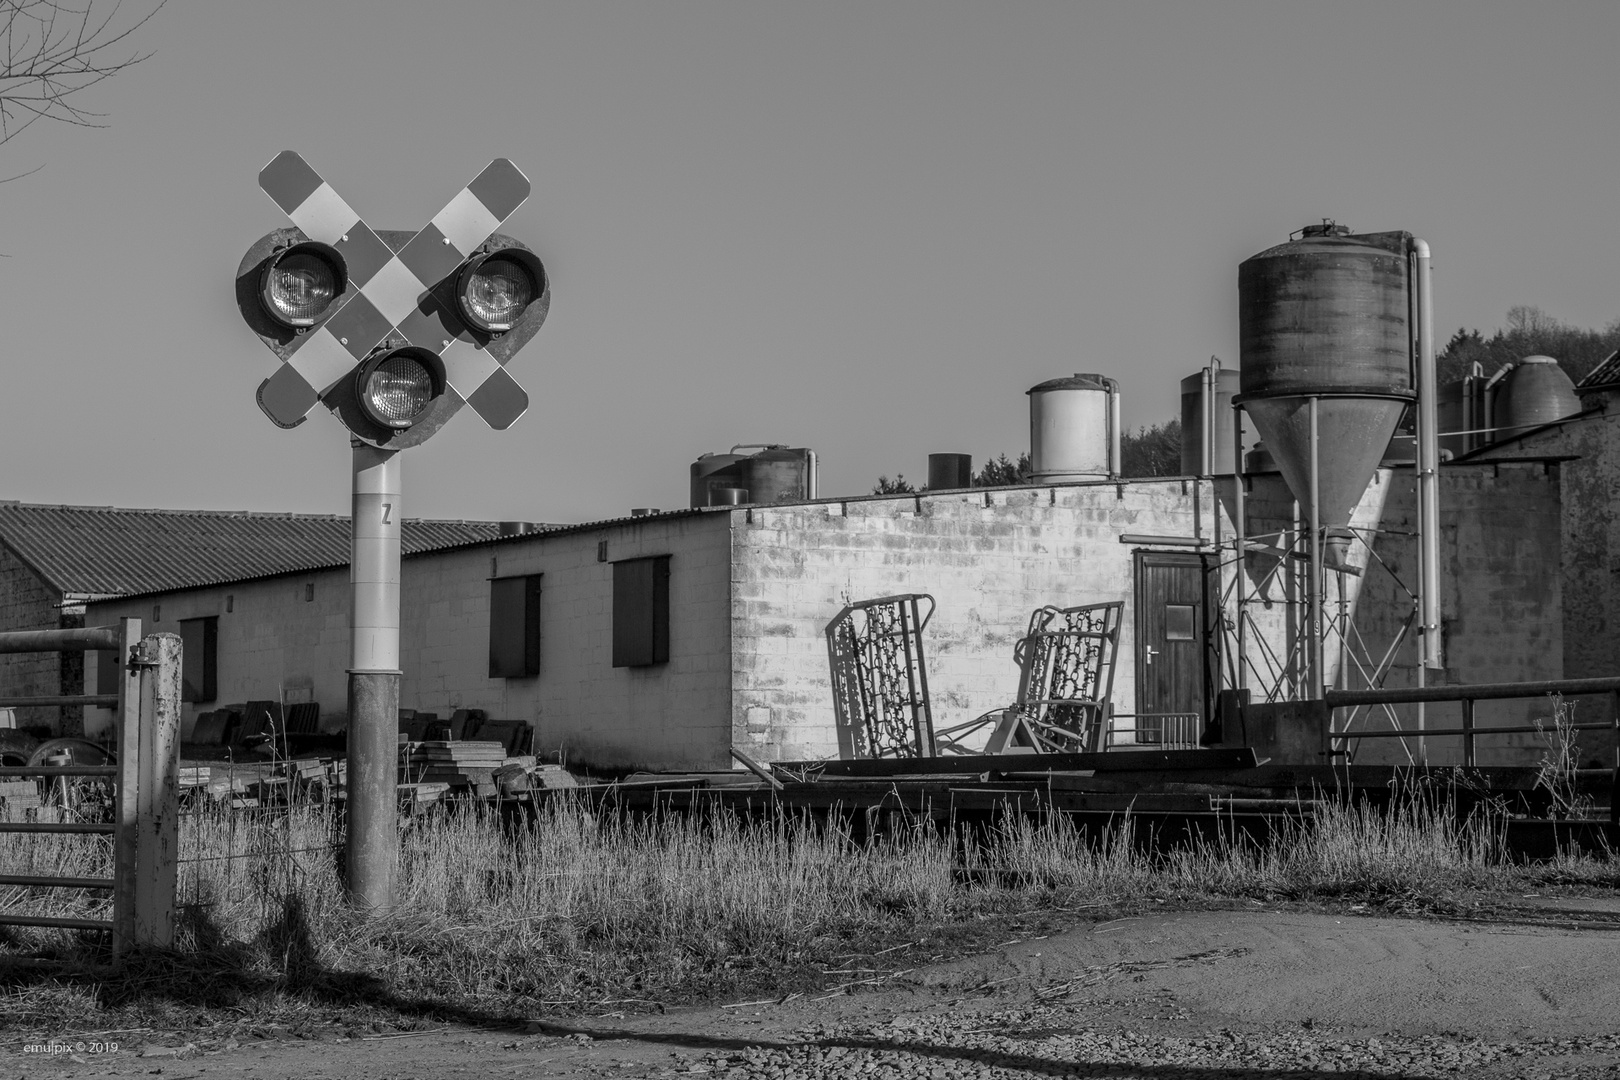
(1468,731)
(127,731)
(158,797)
(1614,786)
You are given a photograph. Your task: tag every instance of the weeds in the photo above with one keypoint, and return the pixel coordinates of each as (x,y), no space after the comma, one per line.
(577,908)
(1556,772)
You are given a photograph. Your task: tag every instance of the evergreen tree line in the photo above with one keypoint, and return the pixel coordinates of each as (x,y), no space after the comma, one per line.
(1529,332)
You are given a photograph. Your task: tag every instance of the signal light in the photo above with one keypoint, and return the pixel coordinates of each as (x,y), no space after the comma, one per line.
(300,284)
(396,388)
(497,286)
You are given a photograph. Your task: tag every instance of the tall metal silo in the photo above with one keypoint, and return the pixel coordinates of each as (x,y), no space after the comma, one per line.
(1327,339)
(1461,413)
(1324,319)
(1206,402)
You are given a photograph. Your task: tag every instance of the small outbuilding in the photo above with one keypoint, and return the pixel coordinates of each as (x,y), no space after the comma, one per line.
(56,559)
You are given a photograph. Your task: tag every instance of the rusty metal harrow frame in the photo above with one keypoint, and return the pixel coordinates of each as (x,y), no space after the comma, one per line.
(1066,663)
(880,677)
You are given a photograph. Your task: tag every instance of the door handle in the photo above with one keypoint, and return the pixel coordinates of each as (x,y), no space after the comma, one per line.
(1150,652)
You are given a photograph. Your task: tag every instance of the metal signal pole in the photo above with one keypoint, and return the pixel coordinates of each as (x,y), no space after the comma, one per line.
(374,677)
(361,327)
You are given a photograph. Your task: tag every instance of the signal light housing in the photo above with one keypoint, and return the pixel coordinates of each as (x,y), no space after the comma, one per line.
(396,389)
(300,283)
(325,380)
(498,284)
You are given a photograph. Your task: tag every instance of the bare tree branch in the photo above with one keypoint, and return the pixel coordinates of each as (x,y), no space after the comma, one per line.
(19,176)
(51,51)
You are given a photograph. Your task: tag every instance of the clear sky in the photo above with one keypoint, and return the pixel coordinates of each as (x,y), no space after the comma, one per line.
(863,227)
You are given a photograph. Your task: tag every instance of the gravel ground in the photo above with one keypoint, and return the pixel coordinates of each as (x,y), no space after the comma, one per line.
(1045,1042)
(1193,995)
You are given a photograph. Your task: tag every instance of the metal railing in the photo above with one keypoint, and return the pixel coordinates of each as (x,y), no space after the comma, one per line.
(144,830)
(1154,731)
(1467,695)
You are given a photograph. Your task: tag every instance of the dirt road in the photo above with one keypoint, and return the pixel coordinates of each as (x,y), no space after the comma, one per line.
(1207,995)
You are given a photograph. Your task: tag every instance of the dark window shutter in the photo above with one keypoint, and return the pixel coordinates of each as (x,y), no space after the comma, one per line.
(109,663)
(641,612)
(514,627)
(199,659)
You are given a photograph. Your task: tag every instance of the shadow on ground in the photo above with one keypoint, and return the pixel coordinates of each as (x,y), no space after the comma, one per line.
(219,974)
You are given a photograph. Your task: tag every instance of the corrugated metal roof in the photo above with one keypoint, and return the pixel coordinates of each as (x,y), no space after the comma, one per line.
(109,551)
(1604,375)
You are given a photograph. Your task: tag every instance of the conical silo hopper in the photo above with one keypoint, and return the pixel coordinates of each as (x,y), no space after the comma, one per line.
(1324,317)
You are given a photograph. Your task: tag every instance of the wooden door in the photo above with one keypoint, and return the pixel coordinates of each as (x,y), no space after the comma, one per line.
(1172,645)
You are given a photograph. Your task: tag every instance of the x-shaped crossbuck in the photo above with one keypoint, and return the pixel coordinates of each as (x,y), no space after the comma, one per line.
(392,295)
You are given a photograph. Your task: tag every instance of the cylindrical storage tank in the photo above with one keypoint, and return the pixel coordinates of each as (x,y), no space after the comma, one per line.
(1192,423)
(1325,317)
(949,471)
(1071,432)
(1535,392)
(779,474)
(713,472)
(1454,415)
(727,496)
(1461,412)
(1325,313)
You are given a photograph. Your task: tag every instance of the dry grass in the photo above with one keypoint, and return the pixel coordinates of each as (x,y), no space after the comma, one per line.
(1415,847)
(573,909)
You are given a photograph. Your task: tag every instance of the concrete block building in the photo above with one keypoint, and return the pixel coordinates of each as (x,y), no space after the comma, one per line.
(663,640)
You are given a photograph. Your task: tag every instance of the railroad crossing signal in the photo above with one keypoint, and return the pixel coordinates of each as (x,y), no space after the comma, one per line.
(392,331)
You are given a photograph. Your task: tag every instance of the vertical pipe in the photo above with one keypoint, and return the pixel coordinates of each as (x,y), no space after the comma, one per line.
(1206,444)
(374,677)
(1342,678)
(1468,731)
(1413,317)
(1428,465)
(1210,440)
(1318,682)
(1113,429)
(1614,784)
(1482,416)
(1240,587)
(1490,424)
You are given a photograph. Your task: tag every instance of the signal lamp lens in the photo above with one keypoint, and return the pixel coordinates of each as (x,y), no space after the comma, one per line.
(495,292)
(397,391)
(299,288)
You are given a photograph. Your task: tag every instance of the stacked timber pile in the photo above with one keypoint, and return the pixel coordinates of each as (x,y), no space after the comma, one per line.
(17,797)
(457,764)
(221,783)
(246,785)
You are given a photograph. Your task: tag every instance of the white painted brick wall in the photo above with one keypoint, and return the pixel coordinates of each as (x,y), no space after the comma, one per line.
(989,558)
